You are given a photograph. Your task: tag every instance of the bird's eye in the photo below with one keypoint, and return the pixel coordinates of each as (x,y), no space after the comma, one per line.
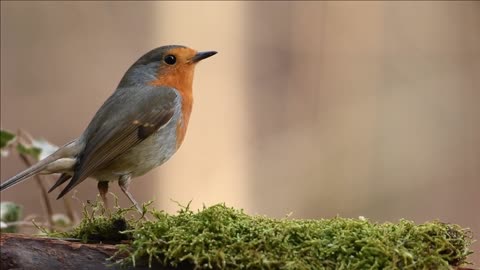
(170,59)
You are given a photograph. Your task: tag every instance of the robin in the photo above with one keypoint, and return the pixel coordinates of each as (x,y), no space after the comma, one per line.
(139,127)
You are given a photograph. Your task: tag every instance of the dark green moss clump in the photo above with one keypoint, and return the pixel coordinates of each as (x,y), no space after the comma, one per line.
(99,226)
(219,237)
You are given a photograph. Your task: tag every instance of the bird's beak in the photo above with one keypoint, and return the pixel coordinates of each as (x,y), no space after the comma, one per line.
(202,55)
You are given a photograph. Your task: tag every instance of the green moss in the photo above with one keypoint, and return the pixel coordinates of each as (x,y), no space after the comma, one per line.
(98,225)
(219,237)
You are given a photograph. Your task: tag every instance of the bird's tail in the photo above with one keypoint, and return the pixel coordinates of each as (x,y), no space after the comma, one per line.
(69,150)
(28,172)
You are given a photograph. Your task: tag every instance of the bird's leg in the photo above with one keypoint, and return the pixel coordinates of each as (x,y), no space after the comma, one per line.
(124,182)
(103,189)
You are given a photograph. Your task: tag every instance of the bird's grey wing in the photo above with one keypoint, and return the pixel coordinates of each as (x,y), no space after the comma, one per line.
(128,117)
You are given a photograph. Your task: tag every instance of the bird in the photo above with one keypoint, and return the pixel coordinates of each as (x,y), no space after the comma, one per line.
(138,128)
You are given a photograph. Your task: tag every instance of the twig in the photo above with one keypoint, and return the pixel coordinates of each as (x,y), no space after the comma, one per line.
(24,223)
(69,210)
(21,134)
(43,189)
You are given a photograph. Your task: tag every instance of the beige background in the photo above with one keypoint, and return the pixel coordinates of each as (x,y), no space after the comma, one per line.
(315,108)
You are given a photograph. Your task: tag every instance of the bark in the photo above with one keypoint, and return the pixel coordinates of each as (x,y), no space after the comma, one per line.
(19,251)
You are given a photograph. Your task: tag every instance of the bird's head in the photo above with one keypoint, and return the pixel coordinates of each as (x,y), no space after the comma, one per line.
(171,66)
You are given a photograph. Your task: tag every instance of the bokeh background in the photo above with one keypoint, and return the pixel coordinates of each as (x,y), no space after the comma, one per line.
(316,108)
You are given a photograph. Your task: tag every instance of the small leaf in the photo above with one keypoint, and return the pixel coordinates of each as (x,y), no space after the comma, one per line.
(10,212)
(4,153)
(29,150)
(46,148)
(61,220)
(6,138)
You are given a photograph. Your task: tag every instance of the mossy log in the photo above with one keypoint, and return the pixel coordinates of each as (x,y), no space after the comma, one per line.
(18,251)
(220,237)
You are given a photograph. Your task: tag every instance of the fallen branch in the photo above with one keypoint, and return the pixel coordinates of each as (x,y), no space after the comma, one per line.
(29,252)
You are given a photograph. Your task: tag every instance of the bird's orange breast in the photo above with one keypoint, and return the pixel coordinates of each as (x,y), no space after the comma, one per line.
(187,103)
(181,79)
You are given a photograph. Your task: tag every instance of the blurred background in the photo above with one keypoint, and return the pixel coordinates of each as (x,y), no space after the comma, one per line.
(316,108)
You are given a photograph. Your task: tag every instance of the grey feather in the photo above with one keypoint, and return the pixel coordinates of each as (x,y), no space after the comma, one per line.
(116,128)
